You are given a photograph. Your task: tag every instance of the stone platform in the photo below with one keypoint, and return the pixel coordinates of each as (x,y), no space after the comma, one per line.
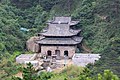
(79,59)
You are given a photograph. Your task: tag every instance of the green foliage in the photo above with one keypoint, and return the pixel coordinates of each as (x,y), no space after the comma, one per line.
(16,78)
(14,55)
(12,19)
(29,72)
(12,39)
(45,75)
(99,21)
(10,36)
(72,71)
(8,68)
(108,75)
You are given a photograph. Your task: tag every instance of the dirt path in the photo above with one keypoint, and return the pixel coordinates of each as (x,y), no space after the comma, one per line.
(19,74)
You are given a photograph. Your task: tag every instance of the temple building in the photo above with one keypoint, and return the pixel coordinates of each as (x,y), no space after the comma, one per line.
(59,38)
(56,46)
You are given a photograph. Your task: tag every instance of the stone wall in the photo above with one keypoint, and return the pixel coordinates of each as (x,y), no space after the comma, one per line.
(70,49)
(82,59)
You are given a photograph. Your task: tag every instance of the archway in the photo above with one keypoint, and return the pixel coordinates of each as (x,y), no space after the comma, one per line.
(49,53)
(66,53)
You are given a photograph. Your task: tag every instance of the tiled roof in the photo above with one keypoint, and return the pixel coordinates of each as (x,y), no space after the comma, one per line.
(59,30)
(63,20)
(60,26)
(62,41)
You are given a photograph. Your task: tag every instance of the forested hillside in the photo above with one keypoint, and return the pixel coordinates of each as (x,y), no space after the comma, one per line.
(99,20)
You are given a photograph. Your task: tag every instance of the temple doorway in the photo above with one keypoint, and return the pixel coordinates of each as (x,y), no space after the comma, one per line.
(57,53)
(49,53)
(66,53)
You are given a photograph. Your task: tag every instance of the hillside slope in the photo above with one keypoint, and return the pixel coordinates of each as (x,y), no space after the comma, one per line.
(99,21)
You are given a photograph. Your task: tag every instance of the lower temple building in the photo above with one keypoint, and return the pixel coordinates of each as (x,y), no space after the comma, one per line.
(59,39)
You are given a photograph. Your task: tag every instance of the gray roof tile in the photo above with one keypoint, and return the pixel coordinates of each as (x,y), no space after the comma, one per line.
(74,40)
(59,30)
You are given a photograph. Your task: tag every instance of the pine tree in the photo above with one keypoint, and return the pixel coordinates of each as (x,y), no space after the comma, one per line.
(29,72)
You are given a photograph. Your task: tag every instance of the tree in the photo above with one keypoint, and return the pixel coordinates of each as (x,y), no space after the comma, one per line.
(29,72)
(108,75)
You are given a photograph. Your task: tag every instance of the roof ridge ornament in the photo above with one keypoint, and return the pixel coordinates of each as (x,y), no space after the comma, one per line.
(59,22)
